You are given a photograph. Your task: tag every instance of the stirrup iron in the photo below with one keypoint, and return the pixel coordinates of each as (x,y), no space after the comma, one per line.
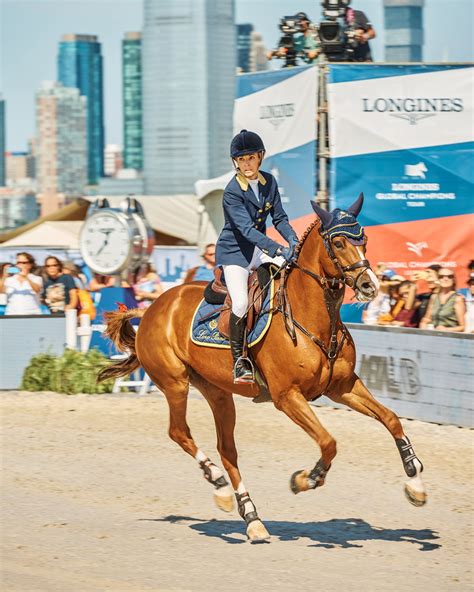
(248,365)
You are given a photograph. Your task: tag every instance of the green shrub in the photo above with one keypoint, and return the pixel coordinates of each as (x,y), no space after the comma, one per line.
(71,373)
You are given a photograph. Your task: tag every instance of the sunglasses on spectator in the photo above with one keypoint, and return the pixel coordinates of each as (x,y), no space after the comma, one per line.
(23,263)
(52,265)
(446,275)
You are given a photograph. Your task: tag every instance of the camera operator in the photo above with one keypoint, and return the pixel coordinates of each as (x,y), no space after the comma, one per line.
(298,42)
(363,32)
(305,43)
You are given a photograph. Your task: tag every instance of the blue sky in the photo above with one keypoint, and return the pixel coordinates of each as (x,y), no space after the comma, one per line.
(30,31)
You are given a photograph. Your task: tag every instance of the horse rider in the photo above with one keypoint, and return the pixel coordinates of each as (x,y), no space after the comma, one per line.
(250,196)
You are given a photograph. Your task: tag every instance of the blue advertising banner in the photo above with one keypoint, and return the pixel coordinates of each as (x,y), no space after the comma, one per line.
(404,136)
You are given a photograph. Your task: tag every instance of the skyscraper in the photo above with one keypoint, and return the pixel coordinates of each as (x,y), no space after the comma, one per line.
(2,142)
(132,101)
(188,92)
(61,160)
(403,30)
(80,66)
(244,43)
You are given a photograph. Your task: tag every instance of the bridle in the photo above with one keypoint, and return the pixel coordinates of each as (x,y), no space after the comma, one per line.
(333,289)
(348,280)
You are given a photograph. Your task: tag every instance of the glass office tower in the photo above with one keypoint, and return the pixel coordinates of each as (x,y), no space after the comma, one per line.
(132,101)
(189,65)
(244,44)
(403,30)
(61,141)
(80,66)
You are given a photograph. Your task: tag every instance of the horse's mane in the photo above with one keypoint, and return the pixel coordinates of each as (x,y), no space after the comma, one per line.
(306,233)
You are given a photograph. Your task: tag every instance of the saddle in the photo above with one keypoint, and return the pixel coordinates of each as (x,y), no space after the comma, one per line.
(216,293)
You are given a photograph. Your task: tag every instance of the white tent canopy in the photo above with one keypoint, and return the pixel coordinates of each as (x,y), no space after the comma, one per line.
(205,186)
(174,215)
(49,234)
(196,221)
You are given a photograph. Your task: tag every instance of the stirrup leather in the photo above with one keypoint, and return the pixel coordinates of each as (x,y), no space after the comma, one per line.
(248,370)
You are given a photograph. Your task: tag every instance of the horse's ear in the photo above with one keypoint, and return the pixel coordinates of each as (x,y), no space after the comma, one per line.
(356,207)
(324,215)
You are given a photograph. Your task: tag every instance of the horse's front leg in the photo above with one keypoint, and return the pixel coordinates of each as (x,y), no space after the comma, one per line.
(298,409)
(358,397)
(223,410)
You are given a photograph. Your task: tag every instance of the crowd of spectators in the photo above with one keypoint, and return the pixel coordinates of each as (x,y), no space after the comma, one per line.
(427,299)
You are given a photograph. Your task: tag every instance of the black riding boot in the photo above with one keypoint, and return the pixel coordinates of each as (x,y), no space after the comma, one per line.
(243,370)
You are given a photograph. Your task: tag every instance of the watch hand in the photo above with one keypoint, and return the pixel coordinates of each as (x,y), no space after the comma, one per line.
(104,244)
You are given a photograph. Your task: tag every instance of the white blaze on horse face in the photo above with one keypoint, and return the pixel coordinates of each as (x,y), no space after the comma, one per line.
(371,274)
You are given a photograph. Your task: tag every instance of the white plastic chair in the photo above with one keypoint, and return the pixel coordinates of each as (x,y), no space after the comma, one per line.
(143,386)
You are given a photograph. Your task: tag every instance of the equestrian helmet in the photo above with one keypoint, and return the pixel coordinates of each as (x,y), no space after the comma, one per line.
(246,142)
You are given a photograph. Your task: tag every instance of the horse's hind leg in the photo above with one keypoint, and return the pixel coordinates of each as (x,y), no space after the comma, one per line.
(223,410)
(176,393)
(297,408)
(357,396)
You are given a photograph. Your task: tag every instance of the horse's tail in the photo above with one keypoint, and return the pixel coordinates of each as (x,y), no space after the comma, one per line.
(121,332)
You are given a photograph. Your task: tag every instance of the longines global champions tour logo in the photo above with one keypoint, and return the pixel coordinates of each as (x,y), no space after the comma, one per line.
(412,109)
(277,114)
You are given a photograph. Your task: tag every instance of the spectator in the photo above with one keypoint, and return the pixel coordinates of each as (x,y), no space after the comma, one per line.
(205,271)
(468,294)
(446,309)
(148,286)
(99,282)
(80,280)
(469,318)
(59,291)
(430,276)
(404,307)
(393,280)
(21,286)
(380,305)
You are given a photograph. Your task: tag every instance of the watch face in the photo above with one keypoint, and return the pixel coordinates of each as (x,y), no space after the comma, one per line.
(105,243)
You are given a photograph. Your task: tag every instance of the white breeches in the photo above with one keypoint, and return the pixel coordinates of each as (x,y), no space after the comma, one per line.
(236,279)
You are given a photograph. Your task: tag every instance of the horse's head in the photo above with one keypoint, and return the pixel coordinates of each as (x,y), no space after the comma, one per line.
(346,243)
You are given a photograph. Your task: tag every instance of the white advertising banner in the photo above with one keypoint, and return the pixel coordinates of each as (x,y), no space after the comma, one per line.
(283,113)
(401,111)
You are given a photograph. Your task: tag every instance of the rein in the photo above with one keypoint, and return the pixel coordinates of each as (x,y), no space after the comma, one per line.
(333,289)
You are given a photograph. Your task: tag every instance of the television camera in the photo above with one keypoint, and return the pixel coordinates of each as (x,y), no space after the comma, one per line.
(337,38)
(288,47)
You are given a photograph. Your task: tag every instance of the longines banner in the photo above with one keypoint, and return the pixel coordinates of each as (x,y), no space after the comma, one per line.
(281,106)
(404,135)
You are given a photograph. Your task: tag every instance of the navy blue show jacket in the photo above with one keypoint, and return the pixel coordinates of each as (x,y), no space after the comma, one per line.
(245,220)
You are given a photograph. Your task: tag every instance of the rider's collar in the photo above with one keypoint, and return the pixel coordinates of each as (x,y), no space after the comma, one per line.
(244,183)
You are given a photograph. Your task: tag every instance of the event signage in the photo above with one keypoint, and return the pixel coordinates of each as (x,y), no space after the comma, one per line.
(404,136)
(280,105)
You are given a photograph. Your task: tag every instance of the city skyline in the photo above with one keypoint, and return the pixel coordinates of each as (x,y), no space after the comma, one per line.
(32,29)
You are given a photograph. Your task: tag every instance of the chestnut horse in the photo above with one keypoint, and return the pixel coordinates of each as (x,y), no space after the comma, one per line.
(306,352)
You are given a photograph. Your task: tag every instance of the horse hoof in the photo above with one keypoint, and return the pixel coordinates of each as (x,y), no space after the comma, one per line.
(257,533)
(224,503)
(299,482)
(414,496)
